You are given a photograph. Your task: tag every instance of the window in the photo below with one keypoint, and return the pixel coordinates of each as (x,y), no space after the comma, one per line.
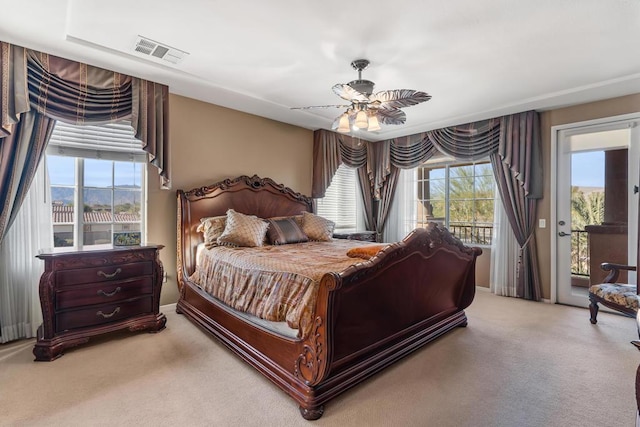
(459,196)
(340,201)
(102,169)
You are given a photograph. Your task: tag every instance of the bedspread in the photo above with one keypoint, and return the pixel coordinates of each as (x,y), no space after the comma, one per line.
(277,283)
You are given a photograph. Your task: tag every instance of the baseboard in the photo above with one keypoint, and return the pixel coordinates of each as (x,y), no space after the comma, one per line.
(485,289)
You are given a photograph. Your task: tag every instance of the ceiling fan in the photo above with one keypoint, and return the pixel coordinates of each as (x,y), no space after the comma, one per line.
(367,109)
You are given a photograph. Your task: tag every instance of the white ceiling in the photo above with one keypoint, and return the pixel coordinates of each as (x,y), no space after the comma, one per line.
(477,58)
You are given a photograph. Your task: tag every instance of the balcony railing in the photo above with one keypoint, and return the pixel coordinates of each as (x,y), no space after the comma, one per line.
(580,253)
(477,234)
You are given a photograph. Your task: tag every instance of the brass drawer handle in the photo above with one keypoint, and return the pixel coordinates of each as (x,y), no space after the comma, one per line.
(109,294)
(109,276)
(106,316)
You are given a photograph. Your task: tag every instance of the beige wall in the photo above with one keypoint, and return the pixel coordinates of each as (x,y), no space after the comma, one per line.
(210,143)
(574,114)
(483,264)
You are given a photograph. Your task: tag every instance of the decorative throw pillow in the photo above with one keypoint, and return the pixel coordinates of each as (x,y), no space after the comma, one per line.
(364,252)
(296,218)
(212,227)
(285,230)
(243,230)
(317,227)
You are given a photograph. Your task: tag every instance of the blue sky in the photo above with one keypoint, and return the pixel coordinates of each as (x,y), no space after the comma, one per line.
(587,169)
(97,172)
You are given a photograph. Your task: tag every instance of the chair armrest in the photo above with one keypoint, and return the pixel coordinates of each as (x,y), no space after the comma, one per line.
(614,270)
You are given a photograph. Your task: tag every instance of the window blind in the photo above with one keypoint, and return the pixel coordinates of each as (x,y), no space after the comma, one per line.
(111,141)
(339,202)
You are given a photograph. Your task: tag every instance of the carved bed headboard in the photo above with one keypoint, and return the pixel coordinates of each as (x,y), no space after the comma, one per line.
(248,195)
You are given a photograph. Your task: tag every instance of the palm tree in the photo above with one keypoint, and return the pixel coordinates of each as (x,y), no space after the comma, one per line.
(585,210)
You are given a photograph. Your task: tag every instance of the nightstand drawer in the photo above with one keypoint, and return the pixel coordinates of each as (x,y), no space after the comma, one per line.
(101,314)
(102,293)
(79,276)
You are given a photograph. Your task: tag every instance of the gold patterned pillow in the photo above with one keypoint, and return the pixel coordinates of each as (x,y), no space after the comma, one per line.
(212,227)
(317,227)
(243,230)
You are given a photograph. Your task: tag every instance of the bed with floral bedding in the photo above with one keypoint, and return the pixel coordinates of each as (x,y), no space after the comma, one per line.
(313,314)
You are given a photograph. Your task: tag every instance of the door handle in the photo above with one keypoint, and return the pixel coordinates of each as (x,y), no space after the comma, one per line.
(563,234)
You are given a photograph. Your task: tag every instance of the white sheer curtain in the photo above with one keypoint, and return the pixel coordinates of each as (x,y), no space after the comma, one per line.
(403,211)
(20,270)
(504,254)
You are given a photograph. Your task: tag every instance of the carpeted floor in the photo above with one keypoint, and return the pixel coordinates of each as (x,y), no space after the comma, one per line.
(518,363)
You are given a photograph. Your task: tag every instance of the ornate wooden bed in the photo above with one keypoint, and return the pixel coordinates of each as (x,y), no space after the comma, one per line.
(366,317)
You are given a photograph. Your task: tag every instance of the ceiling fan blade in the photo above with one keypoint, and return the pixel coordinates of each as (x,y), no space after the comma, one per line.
(320,106)
(399,98)
(391,116)
(350,94)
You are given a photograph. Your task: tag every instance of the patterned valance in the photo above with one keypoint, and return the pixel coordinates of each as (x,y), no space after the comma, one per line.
(471,141)
(78,93)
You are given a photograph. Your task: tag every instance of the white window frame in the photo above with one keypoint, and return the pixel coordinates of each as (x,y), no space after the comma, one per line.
(447,163)
(113,142)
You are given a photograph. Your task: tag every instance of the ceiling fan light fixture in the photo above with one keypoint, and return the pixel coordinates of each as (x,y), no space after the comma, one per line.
(373,123)
(367,110)
(361,120)
(343,125)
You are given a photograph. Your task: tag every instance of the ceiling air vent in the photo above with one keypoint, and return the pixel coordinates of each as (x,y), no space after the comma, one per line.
(166,53)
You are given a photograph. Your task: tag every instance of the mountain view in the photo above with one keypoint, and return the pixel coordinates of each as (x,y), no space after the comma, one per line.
(62,194)
(96,197)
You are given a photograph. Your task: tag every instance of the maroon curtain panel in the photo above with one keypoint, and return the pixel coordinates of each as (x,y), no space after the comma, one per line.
(383,204)
(518,170)
(20,154)
(150,120)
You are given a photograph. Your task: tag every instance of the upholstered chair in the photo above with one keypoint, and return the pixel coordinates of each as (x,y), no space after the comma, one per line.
(622,297)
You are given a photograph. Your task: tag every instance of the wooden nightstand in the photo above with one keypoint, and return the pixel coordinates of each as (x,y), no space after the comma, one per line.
(92,292)
(365,236)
